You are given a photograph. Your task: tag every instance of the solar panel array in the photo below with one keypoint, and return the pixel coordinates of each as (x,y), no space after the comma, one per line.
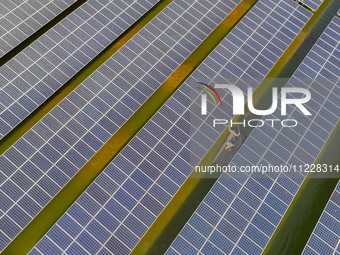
(113,214)
(325,238)
(36,167)
(240,213)
(21,19)
(32,76)
(313,4)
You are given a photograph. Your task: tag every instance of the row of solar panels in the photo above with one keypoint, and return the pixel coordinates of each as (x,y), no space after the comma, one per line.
(37,72)
(239,215)
(325,238)
(313,4)
(36,167)
(116,210)
(114,213)
(42,162)
(21,19)
(42,68)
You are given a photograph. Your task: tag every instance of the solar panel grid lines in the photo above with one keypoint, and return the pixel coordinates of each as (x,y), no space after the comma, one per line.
(243,189)
(138,174)
(325,238)
(262,202)
(97,13)
(62,142)
(235,198)
(313,4)
(94,80)
(38,71)
(251,47)
(150,190)
(313,64)
(253,234)
(21,19)
(18,110)
(116,184)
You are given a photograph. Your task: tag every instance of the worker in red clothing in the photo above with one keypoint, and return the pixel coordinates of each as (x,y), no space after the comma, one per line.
(233,133)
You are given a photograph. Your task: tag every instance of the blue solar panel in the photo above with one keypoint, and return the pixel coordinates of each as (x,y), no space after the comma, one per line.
(313,4)
(21,19)
(32,76)
(142,179)
(61,143)
(325,238)
(244,223)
